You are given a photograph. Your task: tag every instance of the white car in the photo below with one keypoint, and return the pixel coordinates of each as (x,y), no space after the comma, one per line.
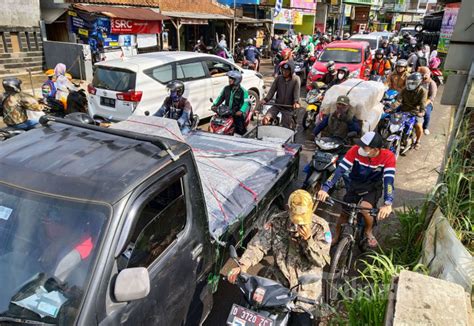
(374,40)
(136,85)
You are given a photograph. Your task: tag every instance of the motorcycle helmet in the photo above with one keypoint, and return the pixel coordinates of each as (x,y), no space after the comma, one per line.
(402,63)
(236,76)
(346,36)
(250,41)
(379,54)
(304,43)
(175,89)
(331,66)
(395,40)
(414,81)
(342,73)
(12,85)
(285,53)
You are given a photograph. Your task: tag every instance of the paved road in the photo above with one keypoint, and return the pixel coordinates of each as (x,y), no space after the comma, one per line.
(416,176)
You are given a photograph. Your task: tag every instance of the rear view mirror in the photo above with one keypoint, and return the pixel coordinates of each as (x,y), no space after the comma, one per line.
(132,284)
(147,113)
(233,252)
(308,279)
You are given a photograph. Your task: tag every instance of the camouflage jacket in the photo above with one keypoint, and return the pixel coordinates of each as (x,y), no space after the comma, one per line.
(293,259)
(15,106)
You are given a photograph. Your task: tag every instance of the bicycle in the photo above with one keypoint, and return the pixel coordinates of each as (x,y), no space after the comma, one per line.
(351,233)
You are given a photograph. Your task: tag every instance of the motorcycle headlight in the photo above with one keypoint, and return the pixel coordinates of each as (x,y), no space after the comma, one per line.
(355,74)
(394,128)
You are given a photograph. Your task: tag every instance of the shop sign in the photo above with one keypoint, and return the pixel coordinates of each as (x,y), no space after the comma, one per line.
(146,40)
(111,41)
(289,17)
(83,32)
(347,10)
(128,26)
(304,4)
(77,23)
(447,25)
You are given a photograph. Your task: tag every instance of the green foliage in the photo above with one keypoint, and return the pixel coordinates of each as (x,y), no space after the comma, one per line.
(455,193)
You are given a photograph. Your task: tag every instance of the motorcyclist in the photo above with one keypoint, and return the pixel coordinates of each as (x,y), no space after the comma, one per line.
(286,55)
(331,74)
(48,89)
(223,42)
(380,66)
(198,47)
(16,103)
(341,76)
(299,241)
(221,51)
(371,170)
(341,122)
(430,85)
(176,106)
(395,47)
(252,54)
(413,100)
(287,89)
(235,97)
(62,82)
(397,79)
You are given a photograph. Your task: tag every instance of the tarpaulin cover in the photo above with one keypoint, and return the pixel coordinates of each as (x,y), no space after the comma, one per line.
(235,172)
(364,96)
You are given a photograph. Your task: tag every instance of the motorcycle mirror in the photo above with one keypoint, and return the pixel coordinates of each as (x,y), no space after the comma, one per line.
(147,113)
(233,252)
(308,279)
(211,100)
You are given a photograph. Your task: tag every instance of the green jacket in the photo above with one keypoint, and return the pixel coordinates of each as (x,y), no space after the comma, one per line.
(236,99)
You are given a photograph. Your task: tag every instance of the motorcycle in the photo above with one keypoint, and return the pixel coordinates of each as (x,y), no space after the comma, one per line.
(322,164)
(300,68)
(399,134)
(239,53)
(277,121)
(437,76)
(223,121)
(267,302)
(314,98)
(388,101)
(248,65)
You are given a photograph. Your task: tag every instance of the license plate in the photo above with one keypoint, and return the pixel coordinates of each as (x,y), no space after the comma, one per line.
(240,316)
(107,102)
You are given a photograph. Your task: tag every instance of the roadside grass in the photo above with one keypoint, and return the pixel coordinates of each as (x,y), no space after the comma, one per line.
(454,195)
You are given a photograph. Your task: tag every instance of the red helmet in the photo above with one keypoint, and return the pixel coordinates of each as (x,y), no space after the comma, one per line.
(285,53)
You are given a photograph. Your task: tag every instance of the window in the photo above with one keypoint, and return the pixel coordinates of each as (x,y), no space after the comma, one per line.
(218,68)
(159,223)
(190,71)
(367,53)
(341,55)
(162,74)
(114,79)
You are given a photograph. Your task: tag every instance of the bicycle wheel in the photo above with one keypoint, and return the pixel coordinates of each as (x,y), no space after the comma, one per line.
(338,269)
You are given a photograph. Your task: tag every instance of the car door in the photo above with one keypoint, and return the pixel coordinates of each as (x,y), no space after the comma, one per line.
(171,241)
(217,71)
(198,89)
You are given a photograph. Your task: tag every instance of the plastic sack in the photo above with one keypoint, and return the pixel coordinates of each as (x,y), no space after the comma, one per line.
(365,97)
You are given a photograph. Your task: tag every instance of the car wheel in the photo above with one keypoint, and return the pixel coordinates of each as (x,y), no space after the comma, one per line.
(254,101)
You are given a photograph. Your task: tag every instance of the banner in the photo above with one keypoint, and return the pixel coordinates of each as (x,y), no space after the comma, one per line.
(146,40)
(447,26)
(304,4)
(289,17)
(278,5)
(127,26)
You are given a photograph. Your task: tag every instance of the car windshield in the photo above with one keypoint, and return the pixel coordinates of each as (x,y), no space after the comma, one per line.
(119,80)
(47,249)
(372,41)
(341,55)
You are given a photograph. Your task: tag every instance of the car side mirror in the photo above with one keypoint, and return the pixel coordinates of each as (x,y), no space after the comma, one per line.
(132,284)
(308,279)
(147,113)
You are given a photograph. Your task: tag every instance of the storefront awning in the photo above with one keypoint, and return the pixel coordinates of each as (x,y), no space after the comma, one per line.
(195,15)
(252,21)
(50,15)
(123,12)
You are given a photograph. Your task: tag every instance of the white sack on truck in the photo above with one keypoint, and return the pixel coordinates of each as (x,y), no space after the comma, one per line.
(365,97)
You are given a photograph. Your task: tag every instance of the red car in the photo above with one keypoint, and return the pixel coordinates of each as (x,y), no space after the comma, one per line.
(355,55)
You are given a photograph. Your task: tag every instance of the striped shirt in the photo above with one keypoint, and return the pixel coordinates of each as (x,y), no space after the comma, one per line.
(367,170)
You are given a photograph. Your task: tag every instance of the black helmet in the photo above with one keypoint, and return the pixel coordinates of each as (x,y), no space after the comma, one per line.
(236,76)
(176,89)
(12,85)
(379,52)
(344,70)
(414,81)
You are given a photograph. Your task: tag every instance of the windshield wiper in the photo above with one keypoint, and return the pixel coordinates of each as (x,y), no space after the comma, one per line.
(23,321)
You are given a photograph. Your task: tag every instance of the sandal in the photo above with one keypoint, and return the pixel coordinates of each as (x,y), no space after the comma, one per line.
(417,146)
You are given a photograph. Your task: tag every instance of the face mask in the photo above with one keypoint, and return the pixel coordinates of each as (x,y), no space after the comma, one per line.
(420,53)
(362,152)
(340,76)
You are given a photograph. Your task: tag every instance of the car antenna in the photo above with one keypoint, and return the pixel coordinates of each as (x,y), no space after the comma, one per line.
(45,119)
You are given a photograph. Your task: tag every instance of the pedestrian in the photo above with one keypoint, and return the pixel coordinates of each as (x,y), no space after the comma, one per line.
(430,85)
(287,89)
(300,242)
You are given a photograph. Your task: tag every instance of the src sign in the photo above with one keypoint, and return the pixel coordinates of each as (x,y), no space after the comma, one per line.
(128,26)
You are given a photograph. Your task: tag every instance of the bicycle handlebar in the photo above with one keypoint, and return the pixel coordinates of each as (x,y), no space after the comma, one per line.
(372,211)
(306,300)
